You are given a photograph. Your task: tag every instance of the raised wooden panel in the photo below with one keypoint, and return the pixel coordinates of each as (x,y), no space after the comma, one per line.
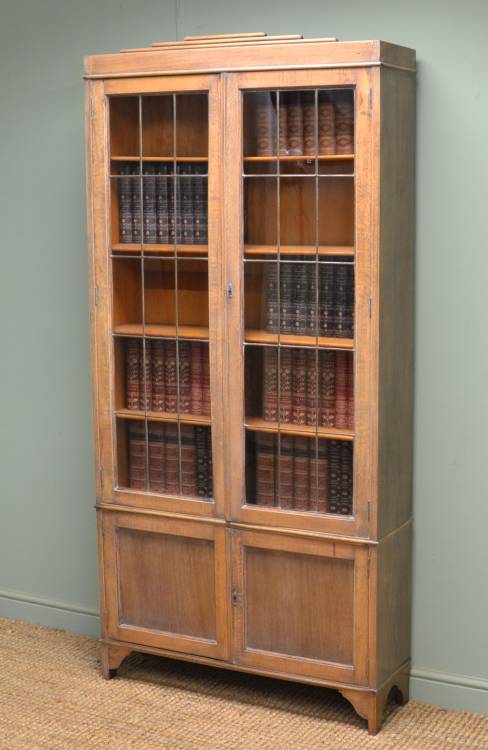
(167,583)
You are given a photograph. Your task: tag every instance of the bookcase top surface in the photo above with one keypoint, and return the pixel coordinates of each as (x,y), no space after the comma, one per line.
(246,52)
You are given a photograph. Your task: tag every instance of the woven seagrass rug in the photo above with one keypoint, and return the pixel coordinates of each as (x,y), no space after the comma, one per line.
(52,697)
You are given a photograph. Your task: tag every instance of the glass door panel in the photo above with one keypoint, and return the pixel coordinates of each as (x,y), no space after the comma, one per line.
(299,296)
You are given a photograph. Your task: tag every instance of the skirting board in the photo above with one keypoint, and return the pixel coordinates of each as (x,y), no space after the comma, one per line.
(456,692)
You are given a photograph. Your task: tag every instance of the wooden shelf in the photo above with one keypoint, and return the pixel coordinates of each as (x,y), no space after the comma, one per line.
(323,250)
(321,157)
(256,424)
(159,416)
(162,331)
(159,158)
(154,249)
(253,336)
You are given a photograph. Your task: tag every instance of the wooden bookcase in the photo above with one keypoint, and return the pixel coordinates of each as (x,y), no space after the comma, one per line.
(250,213)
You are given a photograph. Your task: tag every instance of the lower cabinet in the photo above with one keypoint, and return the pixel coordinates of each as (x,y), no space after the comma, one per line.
(293,605)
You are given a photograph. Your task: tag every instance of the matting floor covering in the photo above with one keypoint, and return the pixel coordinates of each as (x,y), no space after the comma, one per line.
(53,697)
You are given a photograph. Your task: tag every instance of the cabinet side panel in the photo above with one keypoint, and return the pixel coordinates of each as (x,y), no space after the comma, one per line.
(394,581)
(396,303)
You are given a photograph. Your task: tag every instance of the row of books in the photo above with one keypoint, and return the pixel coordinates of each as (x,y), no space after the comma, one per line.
(173,211)
(303,130)
(171,461)
(309,387)
(302,309)
(303,476)
(156,381)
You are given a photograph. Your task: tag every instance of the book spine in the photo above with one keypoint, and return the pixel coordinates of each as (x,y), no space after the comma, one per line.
(208,455)
(206,400)
(171,453)
(146,375)
(201,461)
(341,389)
(344,289)
(136,206)
(327,299)
(344,124)
(172,208)
(125,204)
(287,317)
(283,126)
(264,124)
(350,393)
(156,457)
(299,386)
(301,474)
(348,317)
(137,455)
(327,389)
(158,396)
(272,313)
(200,211)
(334,483)
(270,384)
(132,373)
(179,204)
(187,217)
(162,214)
(295,124)
(265,469)
(285,468)
(149,203)
(345,480)
(285,406)
(300,298)
(309,120)
(326,125)
(312,300)
(196,377)
(185,390)
(318,476)
(188,461)
(312,389)
(170,374)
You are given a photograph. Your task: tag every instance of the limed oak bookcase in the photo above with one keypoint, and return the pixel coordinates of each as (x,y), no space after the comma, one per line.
(251,242)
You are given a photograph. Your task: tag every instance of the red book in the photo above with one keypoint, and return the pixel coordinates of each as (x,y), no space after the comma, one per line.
(196,377)
(301,474)
(265,469)
(285,409)
(188,461)
(172,458)
(137,455)
(206,403)
(318,476)
(299,386)
(327,389)
(341,368)
(170,387)
(145,375)
(270,384)
(284,483)
(350,392)
(185,394)
(158,375)
(132,373)
(312,387)
(156,457)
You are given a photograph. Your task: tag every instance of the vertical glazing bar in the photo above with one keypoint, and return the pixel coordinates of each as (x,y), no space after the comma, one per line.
(278,281)
(315,495)
(175,204)
(144,348)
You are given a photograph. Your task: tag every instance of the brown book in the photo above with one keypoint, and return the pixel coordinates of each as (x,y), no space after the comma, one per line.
(312,357)
(283,126)
(208,448)
(170,375)
(309,124)
(158,375)
(196,377)
(132,373)
(188,461)
(172,458)
(327,389)
(295,124)
(326,125)
(284,482)
(350,392)
(185,390)
(270,384)
(334,477)
(264,124)
(301,474)
(285,407)
(146,375)
(206,402)
(137,455)
(345,481)
(341,420)
(344,124)
(299,386)
(318,476)
(265,469)
(156,456)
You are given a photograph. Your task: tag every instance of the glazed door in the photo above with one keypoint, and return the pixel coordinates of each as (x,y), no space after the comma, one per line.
(165,583)
(300,606)
(298,163)
(157,270)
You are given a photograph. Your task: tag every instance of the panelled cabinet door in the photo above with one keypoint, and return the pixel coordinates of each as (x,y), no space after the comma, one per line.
(155,193)
(299,174)
(300,606)
(165,583)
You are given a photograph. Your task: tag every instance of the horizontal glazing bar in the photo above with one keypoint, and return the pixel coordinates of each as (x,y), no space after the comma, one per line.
(281,259)
(299,176)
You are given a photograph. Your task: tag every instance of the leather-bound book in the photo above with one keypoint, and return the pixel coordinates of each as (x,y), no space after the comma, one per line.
(283,126)
(270,383)
(301,474)
(185,391)
(341,420)
(172,208)
(178,207)
(334,488)
(287,316)
(265,469)
(158,396)
(162,213)
(350,392)
(149,203)
(208,447)
(196,377)
(170,375)
(136,199)
(342,312)
(200,211)
(300,273)
(345,485)
(299,386)
(327,389)
(265,124)
(348,317)
(188,461)
(201,461)
(284,482)
(309,124)
(312,388)
(326,125)
(312,301)
(156,457)
(327,299)
(187,206)
(172,458)
(295,124)
(318,476)
(285,406)
(271,311)
(125,204)
(146,375)
(137,455)
(132,373)
(344,123)
(206,400)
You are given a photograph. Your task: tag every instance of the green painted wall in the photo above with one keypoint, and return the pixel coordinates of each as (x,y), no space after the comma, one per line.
(47,522)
